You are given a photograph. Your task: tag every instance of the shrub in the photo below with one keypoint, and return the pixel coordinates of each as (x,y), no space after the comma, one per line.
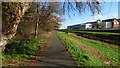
(22,47)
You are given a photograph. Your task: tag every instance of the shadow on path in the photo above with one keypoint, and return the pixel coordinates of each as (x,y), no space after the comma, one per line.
(56,54)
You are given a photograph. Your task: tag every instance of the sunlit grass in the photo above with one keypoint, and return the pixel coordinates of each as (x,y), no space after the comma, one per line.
(79,54)
(104,49)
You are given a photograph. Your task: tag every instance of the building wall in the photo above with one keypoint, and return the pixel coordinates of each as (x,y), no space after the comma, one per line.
(116,23)
(103,25)
(108,25)
(69,27)
(76,27)
(88,26)
(80,26)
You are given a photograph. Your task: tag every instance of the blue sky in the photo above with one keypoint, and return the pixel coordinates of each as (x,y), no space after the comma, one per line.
(109,10)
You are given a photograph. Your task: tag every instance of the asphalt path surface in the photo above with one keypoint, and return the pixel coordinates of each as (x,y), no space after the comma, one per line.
(56,55)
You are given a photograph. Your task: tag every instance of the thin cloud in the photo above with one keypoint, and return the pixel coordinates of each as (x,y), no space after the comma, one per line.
(98,16)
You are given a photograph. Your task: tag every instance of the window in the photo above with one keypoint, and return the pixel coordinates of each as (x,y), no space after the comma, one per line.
(117,22)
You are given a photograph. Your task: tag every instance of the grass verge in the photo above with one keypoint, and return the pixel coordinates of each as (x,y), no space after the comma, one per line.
(106,50)
(79,54)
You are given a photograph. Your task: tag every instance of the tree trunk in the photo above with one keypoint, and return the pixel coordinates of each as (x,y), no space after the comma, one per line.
(36,30)
(37,23)
(10,26)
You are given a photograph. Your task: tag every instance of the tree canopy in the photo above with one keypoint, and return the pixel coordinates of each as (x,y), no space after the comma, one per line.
(39,16)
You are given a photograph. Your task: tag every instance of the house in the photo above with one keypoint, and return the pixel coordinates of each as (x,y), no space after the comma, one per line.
(73,27)
(107,24)
(82,26)
(116,24)
(78,26)
(111,24)
(90,25)
(69,27)
(104,24)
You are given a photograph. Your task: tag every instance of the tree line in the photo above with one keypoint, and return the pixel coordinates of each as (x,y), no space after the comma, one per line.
(29,19)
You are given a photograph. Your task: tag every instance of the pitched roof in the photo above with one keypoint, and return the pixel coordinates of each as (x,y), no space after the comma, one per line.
(90,22)
(108,20)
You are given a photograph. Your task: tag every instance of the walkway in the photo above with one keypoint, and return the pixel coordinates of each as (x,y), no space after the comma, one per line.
(56,54)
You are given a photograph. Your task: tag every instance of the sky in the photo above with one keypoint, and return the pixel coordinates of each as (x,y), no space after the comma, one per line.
(109,10)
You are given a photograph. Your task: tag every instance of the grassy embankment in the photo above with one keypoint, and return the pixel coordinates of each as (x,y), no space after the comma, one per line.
(112,37)
(84,57)
(18,52)
(109,37)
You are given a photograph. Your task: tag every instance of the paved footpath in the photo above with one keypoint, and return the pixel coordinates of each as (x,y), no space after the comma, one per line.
(56,54)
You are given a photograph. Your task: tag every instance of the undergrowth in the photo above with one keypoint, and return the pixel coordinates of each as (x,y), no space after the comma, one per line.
(17,51)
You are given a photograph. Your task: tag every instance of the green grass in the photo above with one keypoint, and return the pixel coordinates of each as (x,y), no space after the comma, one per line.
(79,54)
(104,49)
(17,51)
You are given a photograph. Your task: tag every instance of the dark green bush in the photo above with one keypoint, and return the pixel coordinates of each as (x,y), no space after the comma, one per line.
(28,46)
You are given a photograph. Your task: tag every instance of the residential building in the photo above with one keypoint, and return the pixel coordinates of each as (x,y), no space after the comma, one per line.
(69,27)
(82,26)
(107,24)
(90,25)
(104,24)
(116,24)
(78,26)
(111,24)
